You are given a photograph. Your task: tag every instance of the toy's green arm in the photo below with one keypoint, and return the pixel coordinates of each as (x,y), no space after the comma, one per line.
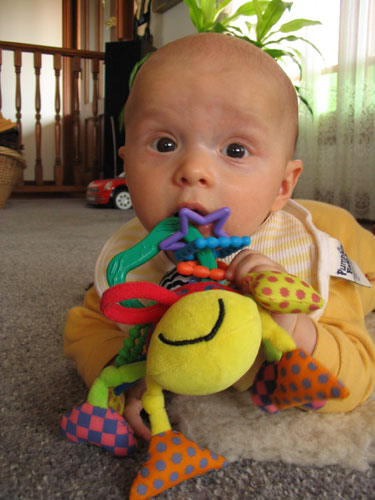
(143,251)
(112,377)
(153,402)
(271,353)
(278,337)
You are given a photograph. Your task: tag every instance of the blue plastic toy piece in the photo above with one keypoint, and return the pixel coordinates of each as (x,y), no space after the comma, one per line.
(222,247)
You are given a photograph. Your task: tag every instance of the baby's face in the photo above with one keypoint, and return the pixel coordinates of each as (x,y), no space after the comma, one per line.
(205,139)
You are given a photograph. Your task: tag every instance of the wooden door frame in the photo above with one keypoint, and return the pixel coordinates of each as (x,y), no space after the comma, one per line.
(123,10)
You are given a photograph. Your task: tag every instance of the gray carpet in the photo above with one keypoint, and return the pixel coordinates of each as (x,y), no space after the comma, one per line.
(48,251)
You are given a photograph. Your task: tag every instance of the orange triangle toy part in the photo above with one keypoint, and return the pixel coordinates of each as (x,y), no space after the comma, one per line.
(172,459)
(302,379)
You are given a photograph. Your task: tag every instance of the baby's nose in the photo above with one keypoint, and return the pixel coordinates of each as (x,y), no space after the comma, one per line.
(194,170)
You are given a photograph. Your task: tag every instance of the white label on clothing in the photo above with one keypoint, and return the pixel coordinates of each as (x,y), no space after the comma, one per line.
(342,267)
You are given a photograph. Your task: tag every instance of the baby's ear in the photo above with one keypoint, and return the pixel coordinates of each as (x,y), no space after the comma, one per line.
(121,152)
(292,172)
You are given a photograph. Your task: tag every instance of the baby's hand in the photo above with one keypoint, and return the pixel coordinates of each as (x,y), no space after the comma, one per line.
(299,326)
(133,408)
(248,261)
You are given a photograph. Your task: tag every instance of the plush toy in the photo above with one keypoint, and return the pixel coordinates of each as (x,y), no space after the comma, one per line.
(198,339)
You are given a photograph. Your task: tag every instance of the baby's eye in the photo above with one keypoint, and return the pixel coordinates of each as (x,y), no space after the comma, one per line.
(235,150)
(164,145)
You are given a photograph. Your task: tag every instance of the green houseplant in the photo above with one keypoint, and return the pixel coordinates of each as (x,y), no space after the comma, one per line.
(265,33)
(277,41)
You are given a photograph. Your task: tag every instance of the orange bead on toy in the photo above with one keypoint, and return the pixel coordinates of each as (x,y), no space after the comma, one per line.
(191,267)
(201,271)
(222,265)
(217,274)
(185,268)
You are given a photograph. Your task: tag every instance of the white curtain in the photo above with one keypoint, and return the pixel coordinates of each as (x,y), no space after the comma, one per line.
(337,145)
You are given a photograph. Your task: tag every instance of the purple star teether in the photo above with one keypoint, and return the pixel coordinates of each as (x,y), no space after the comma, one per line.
(174,242)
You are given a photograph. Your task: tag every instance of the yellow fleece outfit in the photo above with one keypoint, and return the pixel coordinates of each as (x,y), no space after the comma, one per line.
(343,344)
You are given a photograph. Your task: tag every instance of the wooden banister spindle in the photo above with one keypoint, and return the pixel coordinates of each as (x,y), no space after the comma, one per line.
(71,114)
(1,101)
(17,68)
(76,66)
(100,25)
(58,165)
(38,126)
(95,97)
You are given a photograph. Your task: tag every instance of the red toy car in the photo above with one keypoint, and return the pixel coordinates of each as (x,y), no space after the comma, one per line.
(109,192)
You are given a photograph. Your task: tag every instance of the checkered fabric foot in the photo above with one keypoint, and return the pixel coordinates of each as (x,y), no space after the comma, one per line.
(101,427)
(264,386)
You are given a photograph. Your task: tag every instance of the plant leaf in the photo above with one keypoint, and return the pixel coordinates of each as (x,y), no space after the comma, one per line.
(136,67)
(195,14)
(222,5)
(244,37)
(258,12)
(219,28)
(249,9)
(297,60)
(297,24)
(231,29)
(312,45)
(208,9)
(276,53)
(293,38)
(245,10)
(271,16)
(304,100)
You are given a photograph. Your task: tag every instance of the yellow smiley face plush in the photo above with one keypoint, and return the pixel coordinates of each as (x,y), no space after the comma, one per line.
(203,353)
(206,337)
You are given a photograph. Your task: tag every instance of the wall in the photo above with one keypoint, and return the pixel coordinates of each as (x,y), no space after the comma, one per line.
(37,22)
(40,22)
(170,25)
(32,21)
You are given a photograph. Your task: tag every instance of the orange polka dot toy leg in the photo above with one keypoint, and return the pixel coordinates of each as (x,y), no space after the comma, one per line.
(172,459)
(296,380)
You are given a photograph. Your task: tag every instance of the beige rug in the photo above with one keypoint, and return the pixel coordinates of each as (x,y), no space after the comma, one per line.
(228,423)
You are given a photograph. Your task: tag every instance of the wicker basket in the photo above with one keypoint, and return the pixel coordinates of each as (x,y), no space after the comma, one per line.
(11,166)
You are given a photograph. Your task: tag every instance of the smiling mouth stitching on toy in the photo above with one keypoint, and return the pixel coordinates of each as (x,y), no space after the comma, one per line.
(204,338)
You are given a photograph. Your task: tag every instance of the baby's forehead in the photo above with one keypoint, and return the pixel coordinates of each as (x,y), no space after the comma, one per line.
(214,55)
(194,53)
(227,63)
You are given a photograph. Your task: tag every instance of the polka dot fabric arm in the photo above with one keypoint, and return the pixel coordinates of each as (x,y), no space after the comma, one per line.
(282,292)
(296,380)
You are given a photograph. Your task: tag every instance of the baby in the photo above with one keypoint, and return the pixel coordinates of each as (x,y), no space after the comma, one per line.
(211,121)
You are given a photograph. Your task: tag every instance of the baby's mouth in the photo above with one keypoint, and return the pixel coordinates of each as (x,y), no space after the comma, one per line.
(205,230)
